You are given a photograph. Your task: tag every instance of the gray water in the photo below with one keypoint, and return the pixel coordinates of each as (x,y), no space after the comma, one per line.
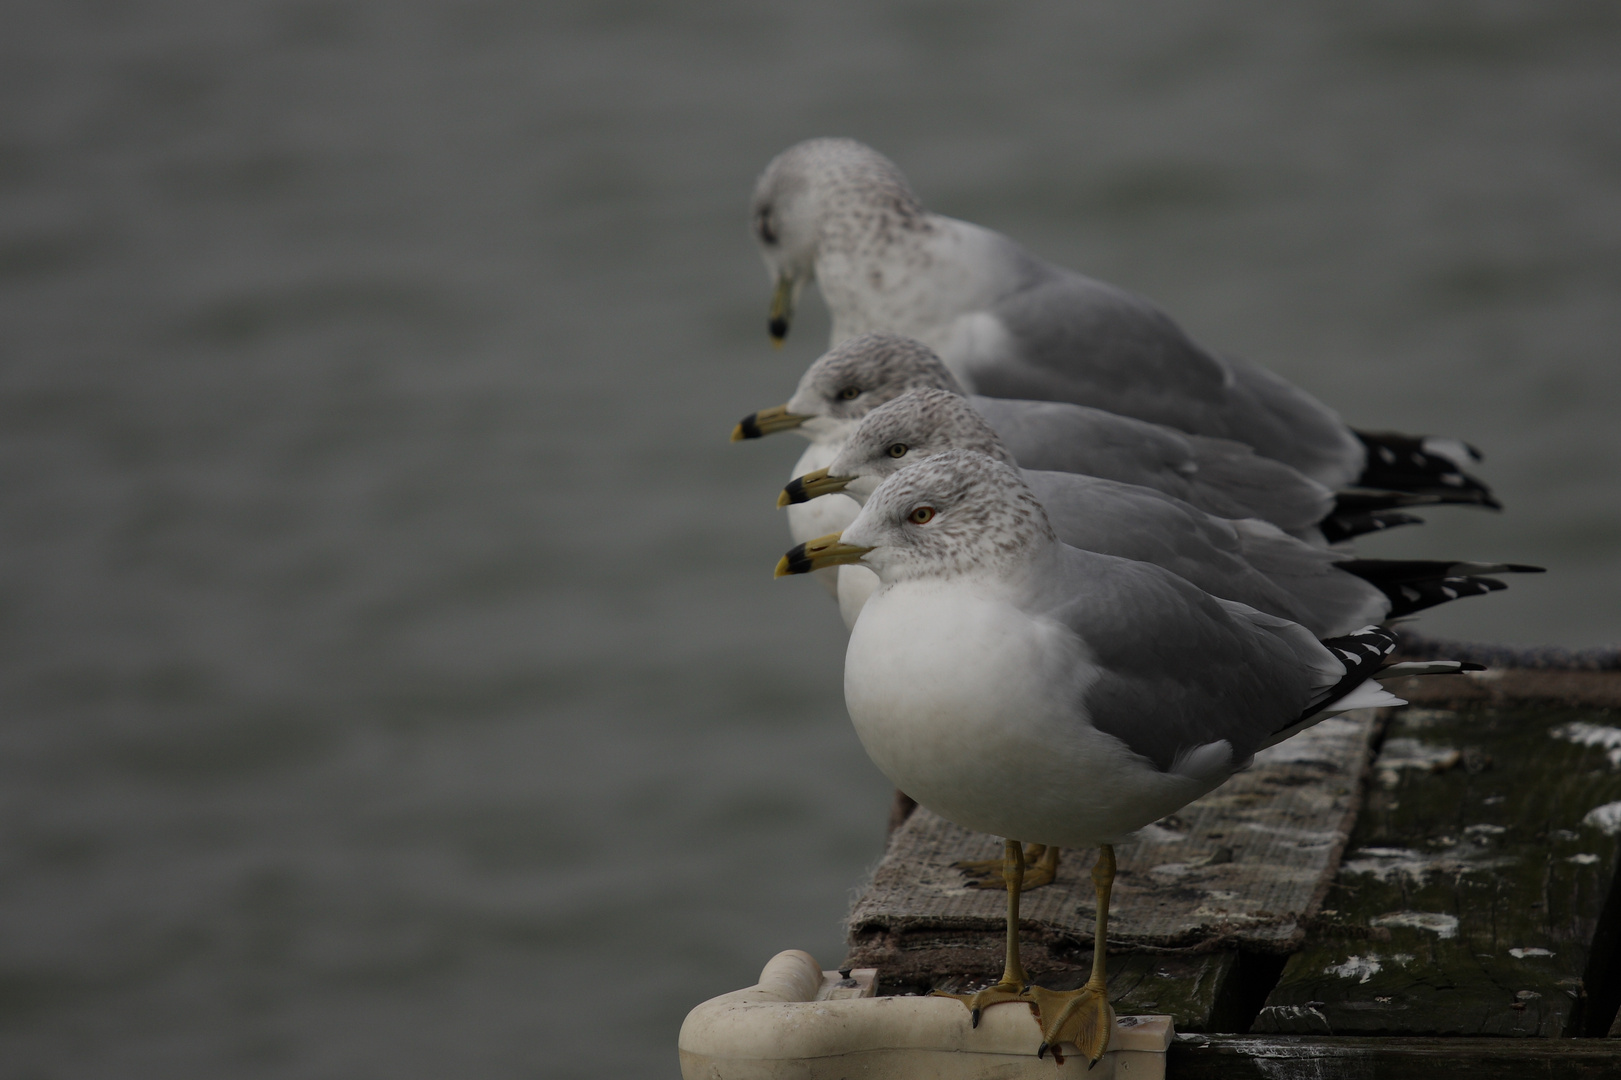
(394,684)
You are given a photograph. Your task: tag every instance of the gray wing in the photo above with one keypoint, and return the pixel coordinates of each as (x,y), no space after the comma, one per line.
(1339,602)
(1064,437)
(1080,340)
(1180,670)
(1218,476)
(1264,488)
(1251,562)
(1134,522)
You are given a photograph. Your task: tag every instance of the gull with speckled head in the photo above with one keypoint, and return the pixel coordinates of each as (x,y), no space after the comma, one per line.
(1218,476)
(1010,325)
(1329,592)
(1022,687)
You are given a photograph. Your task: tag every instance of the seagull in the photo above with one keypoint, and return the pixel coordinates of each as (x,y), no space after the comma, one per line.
(1216,475)
(1010,325)
(1019,686)
(1328,592)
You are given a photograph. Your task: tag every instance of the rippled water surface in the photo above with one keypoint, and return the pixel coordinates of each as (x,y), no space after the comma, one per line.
(394,684)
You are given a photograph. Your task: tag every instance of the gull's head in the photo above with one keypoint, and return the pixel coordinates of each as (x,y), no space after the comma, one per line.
(856,376)
(958,513)
(848,382)
(818,195)
(913,427)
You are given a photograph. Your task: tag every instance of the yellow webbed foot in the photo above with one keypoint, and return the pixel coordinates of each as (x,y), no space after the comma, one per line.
(1041,868)
(1083,1017)
(997,993)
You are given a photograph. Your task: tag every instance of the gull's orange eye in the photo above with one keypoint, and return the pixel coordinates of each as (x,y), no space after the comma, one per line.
(850,393)
(921,516)
(898,449)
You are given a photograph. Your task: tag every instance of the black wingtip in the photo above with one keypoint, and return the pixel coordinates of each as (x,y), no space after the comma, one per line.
(1407,597)
(1362,653)
(1415,584)
(1397,462)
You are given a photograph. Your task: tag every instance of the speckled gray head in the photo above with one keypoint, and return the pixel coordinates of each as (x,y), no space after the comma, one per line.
(956,513)
(825,195)
(855,377)
(917,425)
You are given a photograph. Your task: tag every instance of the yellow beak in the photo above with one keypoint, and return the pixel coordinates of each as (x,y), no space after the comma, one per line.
(813,484)
(765,422)
(824,551)
(782,309)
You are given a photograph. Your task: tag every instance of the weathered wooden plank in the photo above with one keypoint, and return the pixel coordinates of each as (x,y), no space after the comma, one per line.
(1238,1057)
(1476,878)
(1195,991)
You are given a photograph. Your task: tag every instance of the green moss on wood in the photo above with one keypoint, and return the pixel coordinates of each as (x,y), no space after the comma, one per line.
(1472,886)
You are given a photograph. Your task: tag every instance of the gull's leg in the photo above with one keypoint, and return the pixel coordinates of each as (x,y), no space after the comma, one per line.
(1011,986)
(1083,1016)
(1041,868)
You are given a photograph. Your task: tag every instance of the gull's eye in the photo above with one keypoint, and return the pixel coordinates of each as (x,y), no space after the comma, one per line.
(849,393)
(898,449)
(763,226)
(921,516)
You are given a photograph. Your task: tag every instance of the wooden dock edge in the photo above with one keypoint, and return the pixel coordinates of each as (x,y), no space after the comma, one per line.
(1577,677)
(1343,1057)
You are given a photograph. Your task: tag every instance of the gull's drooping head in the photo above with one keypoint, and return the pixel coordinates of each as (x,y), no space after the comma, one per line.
(917,425)
(956,513)
(818,194)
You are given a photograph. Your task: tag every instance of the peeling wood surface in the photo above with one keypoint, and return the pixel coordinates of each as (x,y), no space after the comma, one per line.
(1238,1057)
(1474,883)
(1242,867)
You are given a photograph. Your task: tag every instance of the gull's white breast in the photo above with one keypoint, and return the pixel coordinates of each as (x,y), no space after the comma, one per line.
(975,709)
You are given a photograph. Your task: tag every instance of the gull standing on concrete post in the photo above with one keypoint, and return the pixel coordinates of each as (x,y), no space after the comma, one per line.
(1021,687)
(1010,325)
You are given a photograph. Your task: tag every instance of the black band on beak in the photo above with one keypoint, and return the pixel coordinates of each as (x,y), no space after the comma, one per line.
(797,562)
